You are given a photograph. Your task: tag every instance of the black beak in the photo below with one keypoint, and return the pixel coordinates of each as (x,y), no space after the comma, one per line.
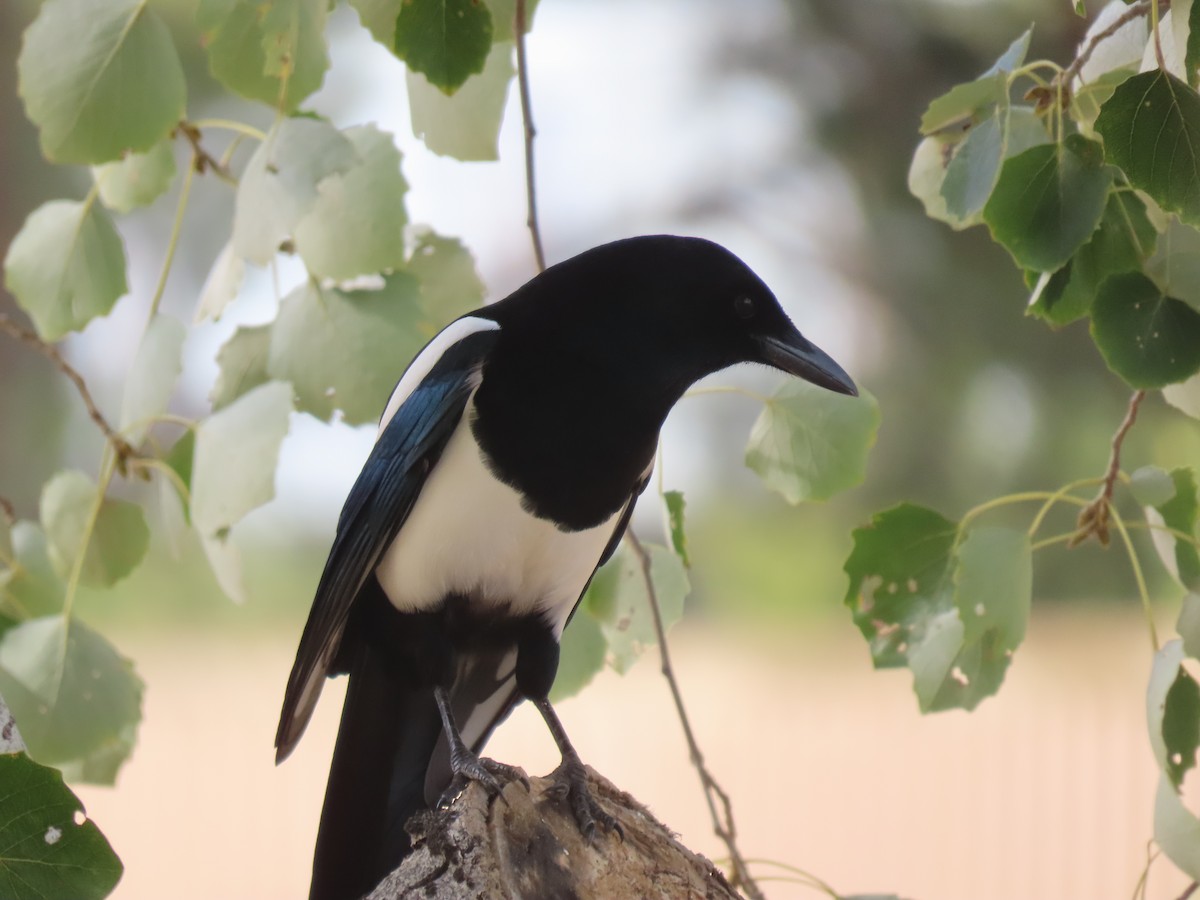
(799,356)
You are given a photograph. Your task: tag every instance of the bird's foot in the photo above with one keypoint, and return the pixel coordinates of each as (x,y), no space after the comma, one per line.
(491,775)
(570,783)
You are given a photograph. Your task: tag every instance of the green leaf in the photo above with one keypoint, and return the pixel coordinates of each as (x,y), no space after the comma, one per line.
(242,364)
(152,376)
(973,100)
(450,284)
(35,589)
(1180,512)
(1175,265)
(1088,98)
(1185,396)
(341,349)
(272,52)
(675,505)
(445,40)
(1048,201)
(99,79)
(137,180)
(1151,129)
(226,563)
(1176,830)
(1191,57)
(1146,337)
(618,599)
(1188,625)
(50,850)
(581,657)
(1121,243)
(116,543)
(182,458)
(279,184)
(236,453)
(355,225)
(78,701)
(975,167)
(809,443)
(65,266)
(467,125)
(953,615)
(1173,713)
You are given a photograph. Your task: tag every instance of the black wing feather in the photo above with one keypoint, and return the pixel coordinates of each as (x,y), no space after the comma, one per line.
(376,508)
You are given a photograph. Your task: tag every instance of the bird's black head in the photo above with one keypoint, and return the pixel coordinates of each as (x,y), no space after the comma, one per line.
(674,309)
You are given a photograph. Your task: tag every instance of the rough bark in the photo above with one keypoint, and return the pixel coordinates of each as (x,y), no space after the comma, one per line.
(525,845)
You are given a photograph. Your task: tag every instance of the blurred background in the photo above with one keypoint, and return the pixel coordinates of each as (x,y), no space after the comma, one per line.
(783,130)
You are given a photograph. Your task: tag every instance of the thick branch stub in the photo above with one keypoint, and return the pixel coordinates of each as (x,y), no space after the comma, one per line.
(525,845)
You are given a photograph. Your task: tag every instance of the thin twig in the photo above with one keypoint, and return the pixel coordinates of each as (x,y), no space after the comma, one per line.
(121,447)
(722,822)
(1093,519)
(202,160)
(530,132)
(1189,890)
(1135,11)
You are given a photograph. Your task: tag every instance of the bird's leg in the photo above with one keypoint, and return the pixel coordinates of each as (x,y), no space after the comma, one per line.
(571,779)
(467,765)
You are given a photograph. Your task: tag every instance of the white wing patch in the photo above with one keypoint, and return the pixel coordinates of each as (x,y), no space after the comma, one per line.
(425,360)
(469,534)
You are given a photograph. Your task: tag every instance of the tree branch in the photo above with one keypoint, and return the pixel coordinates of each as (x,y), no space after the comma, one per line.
(535,232)
(123,449)
(1093,518)
(1135,11)
(714,794)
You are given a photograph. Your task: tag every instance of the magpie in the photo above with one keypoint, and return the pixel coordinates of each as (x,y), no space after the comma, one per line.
(504,473)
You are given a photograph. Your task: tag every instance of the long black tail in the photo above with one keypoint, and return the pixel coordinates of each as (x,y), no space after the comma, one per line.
(387,735)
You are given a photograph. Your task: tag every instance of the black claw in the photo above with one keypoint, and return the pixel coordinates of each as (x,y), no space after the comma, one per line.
(570,783)
(488,773)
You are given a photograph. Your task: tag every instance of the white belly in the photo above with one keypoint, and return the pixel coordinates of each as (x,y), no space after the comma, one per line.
(467,534)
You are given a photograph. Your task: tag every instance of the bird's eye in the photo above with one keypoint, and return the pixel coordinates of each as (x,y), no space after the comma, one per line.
(743,306)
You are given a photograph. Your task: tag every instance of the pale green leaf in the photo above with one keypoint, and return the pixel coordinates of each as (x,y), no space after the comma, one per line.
(36,588)
(1173,713)
(137,180)
(675,504)
(973,100)
(279,184)
(1175,265)
(50,850)
(581,656)
(1185,396)
(1176,830)
(152,376)
(467,125)
(272,52)
(226,562)
(65,266)
(242,364)
(1188,625)
(116,540)
(619,600)
(221,286)
(99,79)
(355,225)
(379,17)
(1151,486)
(345,349)
(927,174)
(77,699)
(810,443)
(237,449)
(450,283)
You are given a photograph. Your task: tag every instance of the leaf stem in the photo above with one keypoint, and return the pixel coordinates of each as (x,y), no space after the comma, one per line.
(107,468)
(1158,54)
(1062,494)
(123,449)
(230,125)
(173,242)
(1138,576)
(535,231)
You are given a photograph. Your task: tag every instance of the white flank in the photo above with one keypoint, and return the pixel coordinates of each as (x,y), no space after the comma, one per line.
(468,534)
(425,360)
